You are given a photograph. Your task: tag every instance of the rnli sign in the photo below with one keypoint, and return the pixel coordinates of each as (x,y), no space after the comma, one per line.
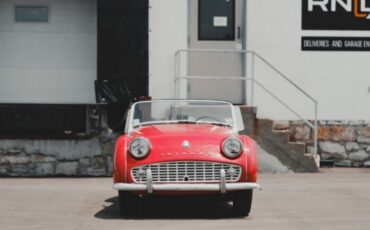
(336,14)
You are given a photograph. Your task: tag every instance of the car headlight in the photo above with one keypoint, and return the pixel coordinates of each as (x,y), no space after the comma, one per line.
(232,147)
(139,148)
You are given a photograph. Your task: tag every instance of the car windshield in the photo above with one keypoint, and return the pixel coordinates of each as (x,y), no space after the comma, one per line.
(182,111)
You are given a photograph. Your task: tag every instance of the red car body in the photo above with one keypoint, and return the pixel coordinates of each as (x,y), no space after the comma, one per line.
(201,144)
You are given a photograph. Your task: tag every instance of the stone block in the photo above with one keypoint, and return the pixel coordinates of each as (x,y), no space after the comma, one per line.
(70,150)
(340,133)
(109,163)
(338,122)
(84,162)
(66,168)
(368,149)
(361,139)
(301,133)
(106,135)
(96,171)
(310,149)
(352,146)
(14,151)
(359,156)
(17,146)
(356,122)
(4,170)
(89,148)
(323,133)
(92,167)
(60,149)
(281,125)
(322,122)
(14,159)
(44,169)
(357,164)
(325,156)
(343,163)
(367,164)
(363,135)
(19,170)
(41,159)
(335,149)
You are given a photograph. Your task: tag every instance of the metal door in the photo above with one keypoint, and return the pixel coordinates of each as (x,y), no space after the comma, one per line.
(217,25)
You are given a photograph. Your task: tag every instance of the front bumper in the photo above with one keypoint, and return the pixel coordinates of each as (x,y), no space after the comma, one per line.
(223,187)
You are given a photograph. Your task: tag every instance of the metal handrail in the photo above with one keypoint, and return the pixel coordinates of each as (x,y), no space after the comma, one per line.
(178,78)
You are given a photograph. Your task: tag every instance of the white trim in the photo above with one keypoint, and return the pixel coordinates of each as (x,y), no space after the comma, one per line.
(186,187)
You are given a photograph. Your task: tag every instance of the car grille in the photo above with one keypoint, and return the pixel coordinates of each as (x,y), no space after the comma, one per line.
(186,171)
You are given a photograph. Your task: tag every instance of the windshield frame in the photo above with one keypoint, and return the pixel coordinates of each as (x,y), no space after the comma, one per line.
(132,127)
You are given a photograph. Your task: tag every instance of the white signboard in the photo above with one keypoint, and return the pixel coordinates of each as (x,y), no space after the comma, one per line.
(220,21)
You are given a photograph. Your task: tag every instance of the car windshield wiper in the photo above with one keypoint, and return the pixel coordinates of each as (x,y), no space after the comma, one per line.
(186,122)
(182,122)
(165,122)
(214,123)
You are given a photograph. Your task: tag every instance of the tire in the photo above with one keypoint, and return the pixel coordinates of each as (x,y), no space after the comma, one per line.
(242,203)
(128,204)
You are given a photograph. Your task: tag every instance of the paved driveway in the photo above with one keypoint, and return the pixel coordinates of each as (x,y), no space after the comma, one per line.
(329,201)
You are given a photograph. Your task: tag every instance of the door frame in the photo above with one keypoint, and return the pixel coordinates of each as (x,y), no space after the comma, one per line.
(243,41)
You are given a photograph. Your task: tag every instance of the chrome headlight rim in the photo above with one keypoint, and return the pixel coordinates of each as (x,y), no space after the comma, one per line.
(136,156)
(228,154)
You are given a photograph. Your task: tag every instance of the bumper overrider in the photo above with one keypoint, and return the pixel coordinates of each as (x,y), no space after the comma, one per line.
(149,187)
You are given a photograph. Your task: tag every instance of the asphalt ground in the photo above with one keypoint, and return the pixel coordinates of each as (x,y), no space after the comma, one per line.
(334,200)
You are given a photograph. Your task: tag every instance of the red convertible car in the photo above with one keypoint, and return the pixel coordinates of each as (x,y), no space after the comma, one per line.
(181,148)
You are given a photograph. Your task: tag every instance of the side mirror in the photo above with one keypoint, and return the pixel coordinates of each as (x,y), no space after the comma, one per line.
(238,119)
(135,122)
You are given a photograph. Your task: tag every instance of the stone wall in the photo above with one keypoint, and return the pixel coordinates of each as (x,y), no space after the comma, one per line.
(90,156)
(344,143)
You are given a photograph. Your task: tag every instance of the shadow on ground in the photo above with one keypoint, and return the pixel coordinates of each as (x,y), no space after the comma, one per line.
(163,209)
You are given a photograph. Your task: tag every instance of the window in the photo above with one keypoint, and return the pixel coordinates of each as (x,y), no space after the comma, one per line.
(31,14)
(44,121)
(216,20)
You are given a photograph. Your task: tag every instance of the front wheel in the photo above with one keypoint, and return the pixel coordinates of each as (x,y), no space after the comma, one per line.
(128,204)
(242,203)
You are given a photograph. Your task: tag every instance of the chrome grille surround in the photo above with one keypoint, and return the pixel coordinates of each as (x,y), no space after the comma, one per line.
(186,172)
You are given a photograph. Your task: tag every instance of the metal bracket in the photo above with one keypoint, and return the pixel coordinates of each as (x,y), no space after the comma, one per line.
(149,179)
(223,181)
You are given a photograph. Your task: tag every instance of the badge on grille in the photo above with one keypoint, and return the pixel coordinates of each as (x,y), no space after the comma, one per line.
(185,144)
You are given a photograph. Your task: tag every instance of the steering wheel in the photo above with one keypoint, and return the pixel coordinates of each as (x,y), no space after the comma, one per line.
(207,118)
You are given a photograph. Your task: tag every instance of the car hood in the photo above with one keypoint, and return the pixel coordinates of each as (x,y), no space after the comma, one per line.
(153,131)
(167,141)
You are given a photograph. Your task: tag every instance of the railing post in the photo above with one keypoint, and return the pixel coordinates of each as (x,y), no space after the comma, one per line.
(316,129)
(176,76)
(252,85)
(179,75)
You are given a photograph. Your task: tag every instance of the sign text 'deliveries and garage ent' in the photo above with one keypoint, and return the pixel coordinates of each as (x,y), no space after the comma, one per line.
(336,43)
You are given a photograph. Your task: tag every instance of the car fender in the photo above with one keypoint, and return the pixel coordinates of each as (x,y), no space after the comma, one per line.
(119,162)
(252,165)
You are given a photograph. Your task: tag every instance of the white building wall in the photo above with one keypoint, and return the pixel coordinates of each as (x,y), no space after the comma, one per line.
(53,62)
(338,80)
(167,33)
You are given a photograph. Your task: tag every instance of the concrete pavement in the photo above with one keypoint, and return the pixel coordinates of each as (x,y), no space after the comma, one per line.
(332,200)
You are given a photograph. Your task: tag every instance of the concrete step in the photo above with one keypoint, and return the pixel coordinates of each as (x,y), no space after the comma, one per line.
(281,125)
(276,140)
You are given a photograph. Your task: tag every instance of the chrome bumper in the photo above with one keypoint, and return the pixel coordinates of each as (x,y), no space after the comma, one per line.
(222,187)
